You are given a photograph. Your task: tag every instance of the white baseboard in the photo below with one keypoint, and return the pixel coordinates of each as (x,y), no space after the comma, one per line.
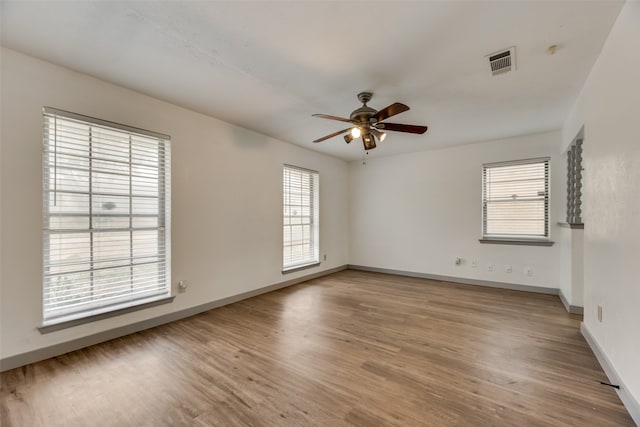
(627,399)
(466,281)
(573,309)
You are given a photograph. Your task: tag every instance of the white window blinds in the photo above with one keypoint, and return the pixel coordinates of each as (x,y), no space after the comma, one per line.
(300,217)
(106,216)
(515,199)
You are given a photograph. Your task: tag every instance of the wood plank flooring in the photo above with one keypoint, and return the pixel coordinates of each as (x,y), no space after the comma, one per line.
(351,348)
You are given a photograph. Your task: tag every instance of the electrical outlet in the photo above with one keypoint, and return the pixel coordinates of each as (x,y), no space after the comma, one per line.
(474,264)
(182,285)
(528,271)
(324,257)
(458,261)
(600,313)
(507,268)
(489,267)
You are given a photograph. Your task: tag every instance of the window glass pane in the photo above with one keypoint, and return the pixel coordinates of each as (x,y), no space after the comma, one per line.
(68,252)
(69,222)
(69,180)
(145,182)
(145,205)
(300,217)
(106,205)
(516,199)
(109,205)
(145,222)
(67,203)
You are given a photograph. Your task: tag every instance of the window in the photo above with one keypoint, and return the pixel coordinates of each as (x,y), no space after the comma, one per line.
(515,200)
(106,208)
(300,217)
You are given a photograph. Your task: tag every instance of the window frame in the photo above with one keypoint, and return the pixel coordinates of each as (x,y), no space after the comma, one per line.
(523,238)
(314,219)
(53,319)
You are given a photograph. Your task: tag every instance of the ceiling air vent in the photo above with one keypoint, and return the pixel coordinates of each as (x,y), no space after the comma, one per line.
(503,61)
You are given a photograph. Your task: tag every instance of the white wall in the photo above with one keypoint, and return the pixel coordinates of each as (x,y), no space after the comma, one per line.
(572,265)
(226,207)
(418,212)
(566,263)
(577,267)
(609,109)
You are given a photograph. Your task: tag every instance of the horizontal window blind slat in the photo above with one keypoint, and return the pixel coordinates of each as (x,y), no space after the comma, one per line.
(101,230)
(78,174)
(105,194)
(57,300)
(77,157)
(133,263)
(87,282)
(83,305)
(101,289)
(106,215)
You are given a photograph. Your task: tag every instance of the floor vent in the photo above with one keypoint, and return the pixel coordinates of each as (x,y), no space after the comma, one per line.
(503,61)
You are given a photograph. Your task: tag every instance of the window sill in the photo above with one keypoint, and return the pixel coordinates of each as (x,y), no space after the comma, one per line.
(64,324)
(571,225)
(523,242)
(300,267)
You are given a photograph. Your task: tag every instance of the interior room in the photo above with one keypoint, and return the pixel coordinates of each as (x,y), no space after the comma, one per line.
(319,213)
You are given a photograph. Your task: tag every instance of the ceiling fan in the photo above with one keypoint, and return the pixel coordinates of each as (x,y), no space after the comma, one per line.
(368,123)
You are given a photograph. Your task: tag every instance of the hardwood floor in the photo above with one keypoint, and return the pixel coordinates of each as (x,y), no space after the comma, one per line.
(352,348)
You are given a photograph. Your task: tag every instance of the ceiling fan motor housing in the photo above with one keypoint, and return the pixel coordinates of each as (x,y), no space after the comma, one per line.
(361,115)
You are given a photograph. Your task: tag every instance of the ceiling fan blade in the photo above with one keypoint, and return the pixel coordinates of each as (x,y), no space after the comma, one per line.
(332,135)
(326,116)
(389,111)
(402,128)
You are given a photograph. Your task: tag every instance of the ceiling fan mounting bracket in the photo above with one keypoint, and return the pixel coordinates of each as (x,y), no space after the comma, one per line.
(365,97)
(360,116)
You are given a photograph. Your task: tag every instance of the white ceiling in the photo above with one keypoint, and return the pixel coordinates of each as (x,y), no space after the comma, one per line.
(268,66)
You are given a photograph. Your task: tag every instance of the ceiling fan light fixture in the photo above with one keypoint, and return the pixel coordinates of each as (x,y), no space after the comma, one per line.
(355,132)
(348,138)
(380,135)
(369,141)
